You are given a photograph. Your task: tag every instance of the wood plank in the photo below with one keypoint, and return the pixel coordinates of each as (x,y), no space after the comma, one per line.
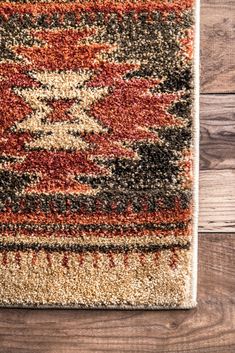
(210,328)
(217,163)
(217,144)
(217,201)
(217,46)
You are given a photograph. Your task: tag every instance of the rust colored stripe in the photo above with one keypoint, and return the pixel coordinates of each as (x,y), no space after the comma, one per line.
(107,6)
(165,216)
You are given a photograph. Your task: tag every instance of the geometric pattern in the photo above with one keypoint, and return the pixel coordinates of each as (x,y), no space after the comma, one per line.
(96,153)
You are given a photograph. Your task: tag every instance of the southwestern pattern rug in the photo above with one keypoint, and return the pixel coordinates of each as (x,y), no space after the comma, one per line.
(98,153)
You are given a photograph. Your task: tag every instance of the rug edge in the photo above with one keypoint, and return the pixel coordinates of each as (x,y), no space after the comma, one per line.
(196,159)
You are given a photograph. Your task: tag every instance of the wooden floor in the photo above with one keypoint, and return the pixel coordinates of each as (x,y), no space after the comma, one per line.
(210,328)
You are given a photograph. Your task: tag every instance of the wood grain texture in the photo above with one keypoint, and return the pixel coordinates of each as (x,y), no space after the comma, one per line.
(210,328)
(217,163)
(217,145)
(217,201)
(217,49)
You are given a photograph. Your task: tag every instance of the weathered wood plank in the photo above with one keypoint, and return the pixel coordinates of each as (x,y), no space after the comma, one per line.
(210,328)
(217,144)
(217,46)
(217,201)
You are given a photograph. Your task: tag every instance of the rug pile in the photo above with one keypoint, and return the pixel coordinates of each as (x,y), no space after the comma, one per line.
(97,153)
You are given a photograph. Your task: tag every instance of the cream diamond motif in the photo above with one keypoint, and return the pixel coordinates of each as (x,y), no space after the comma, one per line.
(60,86)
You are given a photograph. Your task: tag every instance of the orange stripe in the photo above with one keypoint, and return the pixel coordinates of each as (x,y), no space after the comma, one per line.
(165,216)
(119,6)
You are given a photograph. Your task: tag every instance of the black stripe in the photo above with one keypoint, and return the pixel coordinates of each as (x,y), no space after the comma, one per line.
(105,202)
(93,227)
(77,248)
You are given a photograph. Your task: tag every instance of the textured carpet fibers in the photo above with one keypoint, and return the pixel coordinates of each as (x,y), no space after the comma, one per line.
(97,153)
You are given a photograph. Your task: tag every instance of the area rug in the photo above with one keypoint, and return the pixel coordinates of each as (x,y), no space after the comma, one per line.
(98,153)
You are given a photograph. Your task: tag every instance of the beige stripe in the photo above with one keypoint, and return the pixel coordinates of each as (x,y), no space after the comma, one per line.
(150,284)
(95,240)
